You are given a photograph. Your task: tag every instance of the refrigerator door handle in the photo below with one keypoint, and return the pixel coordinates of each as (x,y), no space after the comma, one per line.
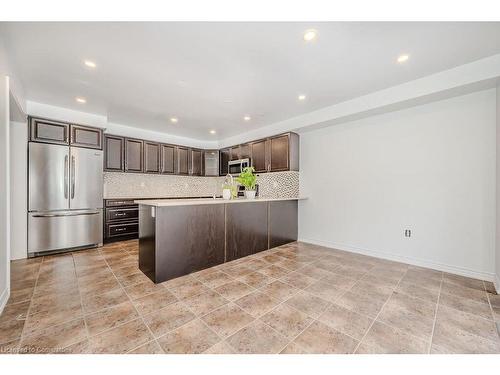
(62,215)
(72,176)
(66,176)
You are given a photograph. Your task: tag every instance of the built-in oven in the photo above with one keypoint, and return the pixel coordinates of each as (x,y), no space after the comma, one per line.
(235,167)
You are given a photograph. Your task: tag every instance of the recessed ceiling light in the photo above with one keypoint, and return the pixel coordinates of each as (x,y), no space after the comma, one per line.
(310,35)
(247,118)
(403,58)
(302,97)
(174,120)
(212,131)
(81,100)
(90,64)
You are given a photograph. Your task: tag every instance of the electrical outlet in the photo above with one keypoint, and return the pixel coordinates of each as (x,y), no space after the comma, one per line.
(407,232)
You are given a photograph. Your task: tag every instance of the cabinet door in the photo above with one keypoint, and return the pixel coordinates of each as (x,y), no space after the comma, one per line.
(113,153)
(196,162)
(279,155)
(235,152)
(259,155)
(49,131)
(151,157)
(245,151)
(211,163)
(168,159)
(224,159)
(84,136)
(134,161)
(182,160)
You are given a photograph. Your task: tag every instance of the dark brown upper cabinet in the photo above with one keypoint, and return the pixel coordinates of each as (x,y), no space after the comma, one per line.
(168,159)
(272,154)
(196,162)
(134,157)
(235,152)
(183,160)
(245,151)
(84,136)
(279,153)
(225,156)
(114,153)
(49,131)
(151,157)
(259,151)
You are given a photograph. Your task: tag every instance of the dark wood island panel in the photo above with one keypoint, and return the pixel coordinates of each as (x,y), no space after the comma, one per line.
(246,229)
(186,239)
(283,223)
(180,239)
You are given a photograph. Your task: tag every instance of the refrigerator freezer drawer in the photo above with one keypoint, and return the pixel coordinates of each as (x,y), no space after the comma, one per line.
(59,230)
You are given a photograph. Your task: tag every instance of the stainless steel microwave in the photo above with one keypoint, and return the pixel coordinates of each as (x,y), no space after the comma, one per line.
(235,167)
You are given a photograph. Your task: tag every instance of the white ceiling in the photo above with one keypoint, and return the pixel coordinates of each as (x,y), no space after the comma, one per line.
(210,75)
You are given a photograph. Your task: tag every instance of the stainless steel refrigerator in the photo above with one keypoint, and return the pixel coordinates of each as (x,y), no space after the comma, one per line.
(65,198)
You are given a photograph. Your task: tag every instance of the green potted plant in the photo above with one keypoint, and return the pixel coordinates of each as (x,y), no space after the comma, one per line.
(248,179)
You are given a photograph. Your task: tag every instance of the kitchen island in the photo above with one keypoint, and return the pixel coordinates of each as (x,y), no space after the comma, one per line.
(178,237)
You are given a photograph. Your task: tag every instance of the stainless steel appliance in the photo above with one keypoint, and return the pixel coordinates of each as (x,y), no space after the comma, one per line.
(235,167)
(65,197)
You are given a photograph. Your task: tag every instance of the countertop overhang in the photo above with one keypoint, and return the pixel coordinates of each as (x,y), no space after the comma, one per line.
(205,201)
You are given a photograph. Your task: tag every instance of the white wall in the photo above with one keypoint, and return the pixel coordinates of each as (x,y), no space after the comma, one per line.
(4,192)
(18,191)
(430,169)
(497,248)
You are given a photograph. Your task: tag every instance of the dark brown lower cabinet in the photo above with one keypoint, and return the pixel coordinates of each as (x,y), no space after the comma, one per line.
(246,229)
(283,224)
(191,239)
(177,240)
(121,220)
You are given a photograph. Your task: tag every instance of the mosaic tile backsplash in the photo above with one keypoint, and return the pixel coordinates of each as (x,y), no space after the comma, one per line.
(138,185)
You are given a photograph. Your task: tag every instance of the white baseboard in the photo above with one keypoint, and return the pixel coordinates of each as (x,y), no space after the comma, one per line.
(3,299)
(496,282)
(487,276)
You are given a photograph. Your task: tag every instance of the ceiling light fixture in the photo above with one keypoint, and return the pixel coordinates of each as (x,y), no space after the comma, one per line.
(90,64)
(310,35)
(212,131)
(174,120)
(247,118)
(302,97)
(403,58)
(81,100)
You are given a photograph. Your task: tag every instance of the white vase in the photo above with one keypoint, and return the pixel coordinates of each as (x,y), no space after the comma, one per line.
(226,194)
(250,194)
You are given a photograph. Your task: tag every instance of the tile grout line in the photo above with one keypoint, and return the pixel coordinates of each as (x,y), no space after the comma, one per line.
(81,303)
(381,309)
(435,314)
(21,337)
(135,308)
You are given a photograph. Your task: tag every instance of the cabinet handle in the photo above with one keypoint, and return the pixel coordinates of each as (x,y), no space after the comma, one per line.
(120,229)
(120,214)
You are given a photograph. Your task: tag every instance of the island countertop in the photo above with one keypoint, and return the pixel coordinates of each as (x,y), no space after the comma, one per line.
(204,201)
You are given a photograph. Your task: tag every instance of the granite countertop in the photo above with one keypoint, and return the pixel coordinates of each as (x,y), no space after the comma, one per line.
(203,201)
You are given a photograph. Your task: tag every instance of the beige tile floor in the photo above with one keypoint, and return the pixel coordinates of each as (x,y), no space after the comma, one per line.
(297,298)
